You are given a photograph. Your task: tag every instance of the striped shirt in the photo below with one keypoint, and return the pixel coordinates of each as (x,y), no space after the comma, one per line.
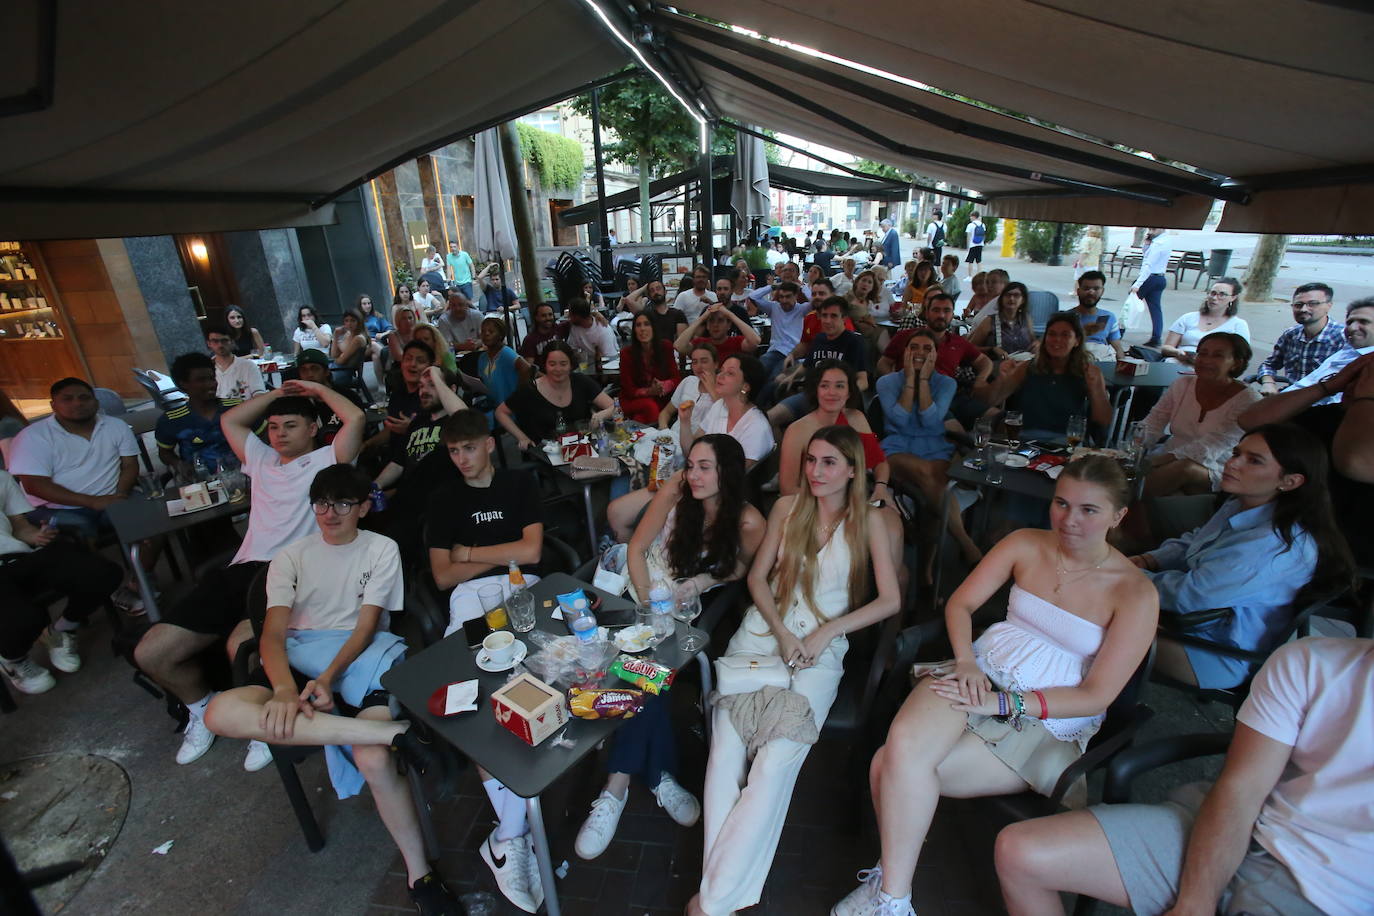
(1296,355)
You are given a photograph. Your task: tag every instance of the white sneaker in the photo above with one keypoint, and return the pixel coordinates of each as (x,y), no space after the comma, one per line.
(599,828)
(863,899)
(62,650)
(27,675)
(195,742)
(517,874)
(259,755)
(128,601)
(681,805)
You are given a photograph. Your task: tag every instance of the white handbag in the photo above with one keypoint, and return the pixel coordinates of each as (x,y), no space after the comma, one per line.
(747,672)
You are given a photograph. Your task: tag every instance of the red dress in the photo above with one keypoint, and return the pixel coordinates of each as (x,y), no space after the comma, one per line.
(636,400)
(873,449)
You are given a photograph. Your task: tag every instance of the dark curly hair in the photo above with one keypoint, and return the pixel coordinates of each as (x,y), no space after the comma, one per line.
(692,546)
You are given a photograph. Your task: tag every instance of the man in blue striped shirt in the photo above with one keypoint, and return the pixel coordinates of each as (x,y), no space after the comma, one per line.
(1307,344)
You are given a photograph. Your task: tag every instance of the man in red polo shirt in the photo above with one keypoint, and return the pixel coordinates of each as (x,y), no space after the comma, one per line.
(953,354)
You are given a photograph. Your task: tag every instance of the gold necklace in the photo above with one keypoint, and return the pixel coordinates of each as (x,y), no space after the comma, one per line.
(1060,570)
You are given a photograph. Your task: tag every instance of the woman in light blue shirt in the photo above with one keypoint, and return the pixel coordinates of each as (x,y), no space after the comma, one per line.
(915,401)
(1270,549)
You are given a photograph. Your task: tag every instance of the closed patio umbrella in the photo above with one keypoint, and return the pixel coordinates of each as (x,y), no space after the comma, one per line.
(749,193)
(495,228)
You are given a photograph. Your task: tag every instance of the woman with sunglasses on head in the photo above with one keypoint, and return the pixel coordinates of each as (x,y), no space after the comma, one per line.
(698,526)
(808,582)
(1216,314)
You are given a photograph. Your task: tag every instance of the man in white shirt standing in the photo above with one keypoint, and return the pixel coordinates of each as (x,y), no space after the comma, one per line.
(1150,283)
(235,376)
(1286,829)
(694,300)
(281,473)
(935,234)
(977,235)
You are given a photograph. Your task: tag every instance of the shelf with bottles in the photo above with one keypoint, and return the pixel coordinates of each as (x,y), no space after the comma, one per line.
(30,301)
(29,324)
(15,266)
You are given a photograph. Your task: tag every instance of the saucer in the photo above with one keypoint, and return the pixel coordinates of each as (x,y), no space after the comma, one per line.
(486,664)
(1015,461)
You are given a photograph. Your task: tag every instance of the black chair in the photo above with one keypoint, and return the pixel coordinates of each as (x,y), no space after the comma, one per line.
(1179,628)
(1130,763)
(763,471)
(164,400)
(286,757)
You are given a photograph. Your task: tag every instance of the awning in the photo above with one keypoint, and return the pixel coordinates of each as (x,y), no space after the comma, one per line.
(200,116)
(1231,87)
(787,178)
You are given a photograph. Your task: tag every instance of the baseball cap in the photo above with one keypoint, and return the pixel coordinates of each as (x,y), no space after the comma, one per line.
(318,357)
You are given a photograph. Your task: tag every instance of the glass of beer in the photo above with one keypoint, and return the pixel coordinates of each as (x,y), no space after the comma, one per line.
(1013,424)
(493,598)
(1077,429)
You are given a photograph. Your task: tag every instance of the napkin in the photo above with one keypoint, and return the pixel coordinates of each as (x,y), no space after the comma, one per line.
(461,697)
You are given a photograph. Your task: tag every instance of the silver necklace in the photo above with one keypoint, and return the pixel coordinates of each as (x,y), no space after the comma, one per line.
(1060,569)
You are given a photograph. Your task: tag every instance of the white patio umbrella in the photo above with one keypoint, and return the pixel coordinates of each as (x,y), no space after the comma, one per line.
(749,191)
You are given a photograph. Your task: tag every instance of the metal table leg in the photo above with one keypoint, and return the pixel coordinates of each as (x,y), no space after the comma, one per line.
(535,814)
(145,585)
(591,516)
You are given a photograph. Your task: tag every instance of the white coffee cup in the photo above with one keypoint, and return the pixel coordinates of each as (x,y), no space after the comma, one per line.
(500,647)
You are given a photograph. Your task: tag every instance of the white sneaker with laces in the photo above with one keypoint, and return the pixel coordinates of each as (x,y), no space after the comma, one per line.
(27,675)
(599,828)
(681,805)
(517,875)
(862,900)
(195,742)
(62,650)
(259,755)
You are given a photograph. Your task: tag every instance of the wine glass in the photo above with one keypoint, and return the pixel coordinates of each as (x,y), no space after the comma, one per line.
(1076,430)
(686,608)
(982,432)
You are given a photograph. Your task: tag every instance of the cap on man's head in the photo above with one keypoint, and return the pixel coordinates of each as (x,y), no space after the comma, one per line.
(312,355)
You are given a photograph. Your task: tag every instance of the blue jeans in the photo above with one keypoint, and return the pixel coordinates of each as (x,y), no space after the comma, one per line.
(84,523)
(465,289)
(1151,291)
(772,363)
(645,745)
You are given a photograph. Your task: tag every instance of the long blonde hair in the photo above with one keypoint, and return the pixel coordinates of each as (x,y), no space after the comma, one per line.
(801,532)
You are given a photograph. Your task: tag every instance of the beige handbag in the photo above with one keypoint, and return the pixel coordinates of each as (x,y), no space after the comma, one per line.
(585,466)
(746,673)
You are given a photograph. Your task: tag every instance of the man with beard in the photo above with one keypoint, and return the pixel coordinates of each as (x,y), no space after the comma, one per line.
(1306,345)
(1100,328)
(1359,338)
(544,332)
(694,300)
(668,321)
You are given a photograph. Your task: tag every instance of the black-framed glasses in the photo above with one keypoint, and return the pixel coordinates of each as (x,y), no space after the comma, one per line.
(340,506)
(1310,302)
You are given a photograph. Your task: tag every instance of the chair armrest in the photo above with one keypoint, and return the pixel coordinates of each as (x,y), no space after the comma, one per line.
(239,666)
(564,552)
(424,602)
(1130,763)
(1099,754)
(1173,622)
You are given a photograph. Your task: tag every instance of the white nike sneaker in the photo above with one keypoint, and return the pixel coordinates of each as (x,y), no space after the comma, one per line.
(517,874)
(27,675)
(195,742)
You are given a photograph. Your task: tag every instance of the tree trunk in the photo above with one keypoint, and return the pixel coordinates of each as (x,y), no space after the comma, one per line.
(520,215)
(646,216)
(1264,267)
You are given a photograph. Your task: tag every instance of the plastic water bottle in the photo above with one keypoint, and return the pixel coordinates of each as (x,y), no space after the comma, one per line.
(661,607)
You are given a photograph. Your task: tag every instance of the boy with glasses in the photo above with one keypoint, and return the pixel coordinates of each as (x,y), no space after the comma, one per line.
(325,639)
(212,612)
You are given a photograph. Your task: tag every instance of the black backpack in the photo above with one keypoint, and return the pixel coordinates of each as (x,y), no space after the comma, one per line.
(939,239)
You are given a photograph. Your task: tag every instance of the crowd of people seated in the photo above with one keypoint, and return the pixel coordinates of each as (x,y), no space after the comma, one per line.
(1253,503)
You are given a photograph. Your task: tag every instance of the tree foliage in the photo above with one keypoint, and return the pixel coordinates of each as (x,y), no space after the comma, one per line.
(883,170)
(1035,239)
(557,159)
(649,125)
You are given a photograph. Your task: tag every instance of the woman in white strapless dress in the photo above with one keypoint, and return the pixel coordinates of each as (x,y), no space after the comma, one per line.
(1080,619)
(810,572)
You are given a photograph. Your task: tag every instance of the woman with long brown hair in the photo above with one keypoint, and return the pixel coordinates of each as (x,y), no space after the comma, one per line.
(808,583)
(648,372)
(1062,381)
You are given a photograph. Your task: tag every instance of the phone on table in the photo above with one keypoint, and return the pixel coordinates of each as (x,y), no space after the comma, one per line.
(474,631)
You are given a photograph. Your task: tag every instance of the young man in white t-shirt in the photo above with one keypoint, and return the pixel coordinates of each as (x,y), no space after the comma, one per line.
(1288,827)
(694,300)
(325,639)
(281,473)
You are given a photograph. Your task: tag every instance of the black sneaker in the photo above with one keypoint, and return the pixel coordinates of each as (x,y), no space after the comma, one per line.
(419,750)
(432,897)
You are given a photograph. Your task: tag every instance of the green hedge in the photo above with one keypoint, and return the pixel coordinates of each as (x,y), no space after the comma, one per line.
(557,159)
(1035,239)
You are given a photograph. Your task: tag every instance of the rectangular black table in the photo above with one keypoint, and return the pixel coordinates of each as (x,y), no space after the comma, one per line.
(138,519)
(526,771)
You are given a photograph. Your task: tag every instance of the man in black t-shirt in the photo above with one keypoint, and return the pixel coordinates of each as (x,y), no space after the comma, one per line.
(313,366)
(475,527)
(833,342)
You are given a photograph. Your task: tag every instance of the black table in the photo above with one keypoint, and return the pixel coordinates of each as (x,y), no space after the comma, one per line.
(138,519)
(526,771)
(542,457)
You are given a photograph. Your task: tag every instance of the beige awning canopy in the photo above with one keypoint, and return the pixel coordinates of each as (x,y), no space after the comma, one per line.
(1270,93)
(200,116)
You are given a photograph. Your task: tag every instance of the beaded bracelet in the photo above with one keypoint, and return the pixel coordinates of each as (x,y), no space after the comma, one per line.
(1019,711)
(1001,705)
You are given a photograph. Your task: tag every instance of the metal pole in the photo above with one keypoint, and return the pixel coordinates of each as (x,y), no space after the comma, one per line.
(707,202)
(1055,260)
(602,226)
